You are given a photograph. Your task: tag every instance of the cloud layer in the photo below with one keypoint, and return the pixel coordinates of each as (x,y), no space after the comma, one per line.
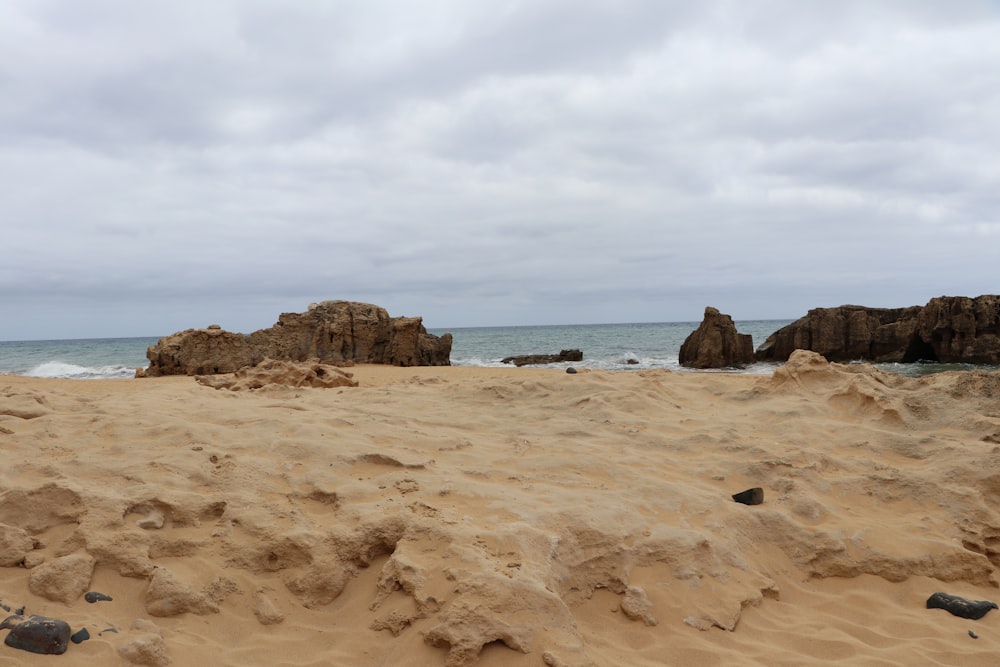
(178,164)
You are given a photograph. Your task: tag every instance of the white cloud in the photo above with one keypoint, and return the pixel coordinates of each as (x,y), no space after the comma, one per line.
(486,163)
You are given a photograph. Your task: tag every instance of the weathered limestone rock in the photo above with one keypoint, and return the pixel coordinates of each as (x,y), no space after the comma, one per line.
(947,330)
(146,648)
(332,332)
(265,610)
(63,579)
(15,544)
(716,344)
(636,606)
(271,372)
(169,596)
(319,585)
(532,359)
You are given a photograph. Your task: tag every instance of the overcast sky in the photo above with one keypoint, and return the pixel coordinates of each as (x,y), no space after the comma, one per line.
(166,165)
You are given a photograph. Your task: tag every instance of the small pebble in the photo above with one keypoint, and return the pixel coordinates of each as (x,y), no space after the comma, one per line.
(754,496)
(94,596)
(973,634)
(152,522)
(571,370)
(80,636)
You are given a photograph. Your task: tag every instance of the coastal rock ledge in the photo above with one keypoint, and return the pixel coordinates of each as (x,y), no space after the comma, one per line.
(340,333)
(949,329)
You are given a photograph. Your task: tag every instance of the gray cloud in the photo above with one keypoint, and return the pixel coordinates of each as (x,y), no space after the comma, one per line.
(490,163)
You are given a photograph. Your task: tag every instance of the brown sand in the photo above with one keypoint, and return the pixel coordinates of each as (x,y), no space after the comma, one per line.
(508,517)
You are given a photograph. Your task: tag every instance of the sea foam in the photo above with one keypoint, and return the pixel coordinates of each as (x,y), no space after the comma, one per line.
(60,369)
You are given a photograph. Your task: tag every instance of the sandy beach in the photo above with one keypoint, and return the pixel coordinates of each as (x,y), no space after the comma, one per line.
(506,517)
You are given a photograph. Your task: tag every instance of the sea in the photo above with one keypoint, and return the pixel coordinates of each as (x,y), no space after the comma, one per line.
(615,347)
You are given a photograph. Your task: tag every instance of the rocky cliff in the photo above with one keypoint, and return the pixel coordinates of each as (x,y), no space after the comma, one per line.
(332,332)
(947,329)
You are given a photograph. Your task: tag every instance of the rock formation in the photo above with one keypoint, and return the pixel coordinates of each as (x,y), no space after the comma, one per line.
(530,359)
(271,373)
(946,330)
(332,332)
(716,344)
(962,330)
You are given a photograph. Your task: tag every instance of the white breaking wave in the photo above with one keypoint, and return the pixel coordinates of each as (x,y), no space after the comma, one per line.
(61,369)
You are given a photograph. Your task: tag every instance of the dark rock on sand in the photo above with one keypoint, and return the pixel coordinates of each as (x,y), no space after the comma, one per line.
(532,359)
(971,609)
(571,370)
(716,344)
(37,634)
(754,496)
(80,636)
(94,596)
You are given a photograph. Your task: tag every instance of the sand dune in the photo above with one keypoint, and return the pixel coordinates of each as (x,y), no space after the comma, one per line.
(459,516)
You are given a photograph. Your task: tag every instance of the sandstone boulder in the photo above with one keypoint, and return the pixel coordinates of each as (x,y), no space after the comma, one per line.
(716,344)
(63,579)
(947,330)
(167,595)
(147,647)
(332,332)
(15,544)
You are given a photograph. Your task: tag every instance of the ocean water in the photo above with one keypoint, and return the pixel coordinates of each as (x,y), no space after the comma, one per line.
(85,359)
(605,346)
(621,347)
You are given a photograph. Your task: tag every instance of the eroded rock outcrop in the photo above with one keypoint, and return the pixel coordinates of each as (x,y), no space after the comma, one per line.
(271,372)
(962,330)
(716,344)
(332,332)
(947,330)
(15,544)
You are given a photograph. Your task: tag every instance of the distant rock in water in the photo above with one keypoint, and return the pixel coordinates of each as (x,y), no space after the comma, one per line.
(332,332)
(949,329)
(716,344)
(532,359)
